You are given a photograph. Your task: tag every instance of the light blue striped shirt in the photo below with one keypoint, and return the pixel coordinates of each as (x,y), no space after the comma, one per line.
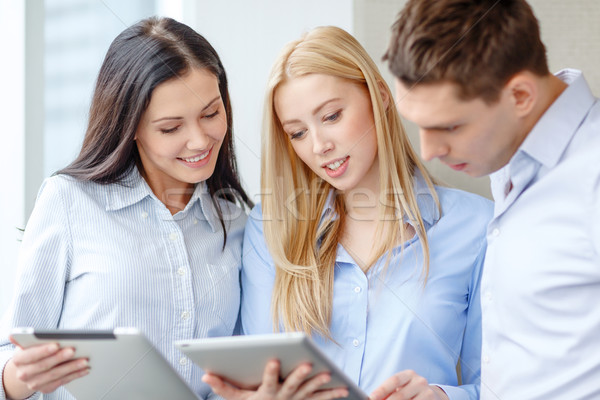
(386,322)
(101,256)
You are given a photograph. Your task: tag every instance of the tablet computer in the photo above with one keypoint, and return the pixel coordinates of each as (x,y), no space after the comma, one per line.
(242,359)
(123,364)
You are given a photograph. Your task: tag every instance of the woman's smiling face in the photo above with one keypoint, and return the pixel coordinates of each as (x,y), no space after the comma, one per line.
(180,133)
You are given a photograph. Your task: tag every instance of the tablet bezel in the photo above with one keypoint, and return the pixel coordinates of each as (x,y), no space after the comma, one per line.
(123,364)
(241,359)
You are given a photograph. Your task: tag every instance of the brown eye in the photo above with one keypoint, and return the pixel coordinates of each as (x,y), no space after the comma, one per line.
(169,130)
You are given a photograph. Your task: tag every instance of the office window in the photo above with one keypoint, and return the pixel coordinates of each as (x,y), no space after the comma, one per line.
(77,35)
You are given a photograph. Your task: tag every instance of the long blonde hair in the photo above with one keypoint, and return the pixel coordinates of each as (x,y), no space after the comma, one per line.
(304,246)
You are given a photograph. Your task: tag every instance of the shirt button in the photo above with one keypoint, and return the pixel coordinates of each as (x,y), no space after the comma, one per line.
(144,214)
(183,361)
(496,232)
(181,272)
(173,236)
(195,221)
(357,289)
(488,296)
(355,342)
(486,359)
(185,315)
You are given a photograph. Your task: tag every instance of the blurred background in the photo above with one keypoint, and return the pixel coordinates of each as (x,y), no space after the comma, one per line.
(52,50)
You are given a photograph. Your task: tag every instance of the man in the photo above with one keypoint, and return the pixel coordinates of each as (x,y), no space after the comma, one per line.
(473,76)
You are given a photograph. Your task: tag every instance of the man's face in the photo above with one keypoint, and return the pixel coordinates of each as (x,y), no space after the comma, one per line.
(469,136)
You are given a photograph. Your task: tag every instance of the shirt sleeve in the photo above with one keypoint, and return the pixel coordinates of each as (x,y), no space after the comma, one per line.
(470,355)
(595,220)
(213,396)
(258,276)
(44,260)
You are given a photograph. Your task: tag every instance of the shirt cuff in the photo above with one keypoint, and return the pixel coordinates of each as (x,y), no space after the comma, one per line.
(458,392)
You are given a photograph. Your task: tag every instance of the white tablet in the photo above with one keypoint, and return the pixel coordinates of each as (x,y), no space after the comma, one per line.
(241,359)
(123,364)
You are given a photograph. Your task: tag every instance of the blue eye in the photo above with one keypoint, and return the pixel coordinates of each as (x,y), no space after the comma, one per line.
(298,135)
(333,117)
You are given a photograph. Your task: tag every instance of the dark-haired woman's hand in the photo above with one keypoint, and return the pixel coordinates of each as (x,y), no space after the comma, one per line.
(295,387)
(41,368)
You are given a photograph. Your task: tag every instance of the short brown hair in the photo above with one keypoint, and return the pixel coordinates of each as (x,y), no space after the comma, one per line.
(477,44)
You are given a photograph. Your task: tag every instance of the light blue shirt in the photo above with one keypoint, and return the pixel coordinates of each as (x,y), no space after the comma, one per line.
(386,322)
(102,256)
(541,282)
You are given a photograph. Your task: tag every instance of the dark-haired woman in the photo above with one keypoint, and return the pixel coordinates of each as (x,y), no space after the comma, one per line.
(142,229)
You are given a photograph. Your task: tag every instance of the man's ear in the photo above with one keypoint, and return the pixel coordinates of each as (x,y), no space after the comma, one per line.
(523,91)
(384,94)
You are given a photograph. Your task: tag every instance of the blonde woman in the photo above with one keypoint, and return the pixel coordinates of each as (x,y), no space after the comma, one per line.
(353,243)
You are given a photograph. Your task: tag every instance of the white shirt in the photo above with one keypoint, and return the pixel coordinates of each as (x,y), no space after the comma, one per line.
(101,256)
(540,289)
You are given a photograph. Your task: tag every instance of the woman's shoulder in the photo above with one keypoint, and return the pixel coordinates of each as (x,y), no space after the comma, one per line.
(65,185)
(467,204)
(255,219)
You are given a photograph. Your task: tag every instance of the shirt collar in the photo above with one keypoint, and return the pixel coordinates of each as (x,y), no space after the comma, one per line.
(428,207)
(551,135)
(133,188)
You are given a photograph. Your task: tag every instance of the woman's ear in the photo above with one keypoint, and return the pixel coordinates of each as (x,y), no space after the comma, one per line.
(523,92)
(384,94)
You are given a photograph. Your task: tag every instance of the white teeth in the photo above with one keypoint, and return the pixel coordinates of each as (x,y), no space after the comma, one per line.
(336,165)
(196,159)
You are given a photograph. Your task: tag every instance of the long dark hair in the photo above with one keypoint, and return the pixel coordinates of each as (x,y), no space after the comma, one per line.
(143,56)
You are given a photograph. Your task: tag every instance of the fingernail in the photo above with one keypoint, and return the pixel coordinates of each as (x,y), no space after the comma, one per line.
(53,348)
(82,363)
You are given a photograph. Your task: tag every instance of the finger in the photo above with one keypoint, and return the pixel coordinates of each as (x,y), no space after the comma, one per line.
(312,385)
(417,385)
(223,389)
(270,380)
(27,372)
(392,384)
(337,393)
(57,373)
(52,386)
(416,388)
(34,353)
(294,380)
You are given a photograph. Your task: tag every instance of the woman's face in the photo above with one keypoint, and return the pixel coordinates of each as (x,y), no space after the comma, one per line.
(181,132)
(329,122)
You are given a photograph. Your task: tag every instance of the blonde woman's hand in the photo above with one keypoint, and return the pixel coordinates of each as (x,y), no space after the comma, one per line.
(295,386)
(407,385)
(41,368)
